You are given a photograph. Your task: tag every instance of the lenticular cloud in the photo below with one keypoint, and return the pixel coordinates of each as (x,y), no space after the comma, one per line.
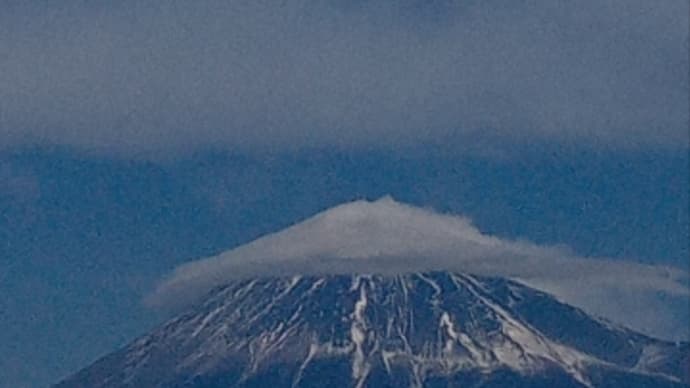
(386,236)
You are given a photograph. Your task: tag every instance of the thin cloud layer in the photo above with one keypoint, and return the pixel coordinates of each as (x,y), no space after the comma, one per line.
(389,237)
(176,76)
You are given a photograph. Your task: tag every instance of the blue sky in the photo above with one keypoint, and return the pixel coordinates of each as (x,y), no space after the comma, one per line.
(136,137)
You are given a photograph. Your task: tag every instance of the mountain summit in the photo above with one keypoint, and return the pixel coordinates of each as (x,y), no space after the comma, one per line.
(423,329)
(389,237)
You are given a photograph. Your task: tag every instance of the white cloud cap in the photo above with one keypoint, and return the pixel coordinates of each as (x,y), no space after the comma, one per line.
(389,237)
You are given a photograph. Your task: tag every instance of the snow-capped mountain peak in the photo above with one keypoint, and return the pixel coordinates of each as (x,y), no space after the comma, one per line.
(405,330)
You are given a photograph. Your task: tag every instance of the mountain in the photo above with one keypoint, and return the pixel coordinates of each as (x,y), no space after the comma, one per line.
(418,329)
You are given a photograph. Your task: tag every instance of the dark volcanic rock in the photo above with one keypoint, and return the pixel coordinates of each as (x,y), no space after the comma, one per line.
(434,329)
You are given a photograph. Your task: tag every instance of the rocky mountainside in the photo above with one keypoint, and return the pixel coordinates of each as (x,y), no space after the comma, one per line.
(424,329)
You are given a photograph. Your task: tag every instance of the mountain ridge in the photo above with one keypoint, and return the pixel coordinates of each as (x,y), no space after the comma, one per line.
(417,329)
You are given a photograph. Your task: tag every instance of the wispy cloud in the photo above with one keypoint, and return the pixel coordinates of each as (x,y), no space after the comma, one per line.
(172,76)
(389,237)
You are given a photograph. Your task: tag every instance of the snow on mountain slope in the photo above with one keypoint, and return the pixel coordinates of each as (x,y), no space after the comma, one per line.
(422,329)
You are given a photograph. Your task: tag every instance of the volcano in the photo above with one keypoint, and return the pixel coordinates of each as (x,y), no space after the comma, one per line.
(422,329)
(382,294)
